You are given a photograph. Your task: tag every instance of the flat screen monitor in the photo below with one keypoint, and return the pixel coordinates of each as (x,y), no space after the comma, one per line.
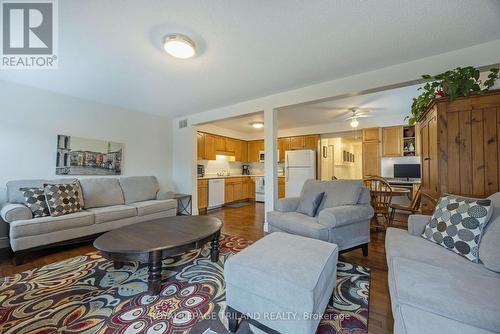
(407,171)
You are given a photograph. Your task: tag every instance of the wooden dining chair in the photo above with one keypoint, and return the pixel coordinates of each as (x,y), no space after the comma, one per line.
(381,197)
(414,206)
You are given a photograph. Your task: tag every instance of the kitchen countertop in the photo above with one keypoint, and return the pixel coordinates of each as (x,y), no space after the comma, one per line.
(207,177)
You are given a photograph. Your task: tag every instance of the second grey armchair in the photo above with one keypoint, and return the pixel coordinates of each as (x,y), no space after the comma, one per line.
(343,216)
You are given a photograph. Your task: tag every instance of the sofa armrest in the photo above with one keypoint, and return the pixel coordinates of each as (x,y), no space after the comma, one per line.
(289,204)
(345,215)
(162,195)
(417,223)
(12,212)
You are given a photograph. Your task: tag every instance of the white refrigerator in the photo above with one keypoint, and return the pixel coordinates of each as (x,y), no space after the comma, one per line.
(299,166)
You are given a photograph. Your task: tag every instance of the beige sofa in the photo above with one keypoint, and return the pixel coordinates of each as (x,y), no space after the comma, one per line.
(109,203)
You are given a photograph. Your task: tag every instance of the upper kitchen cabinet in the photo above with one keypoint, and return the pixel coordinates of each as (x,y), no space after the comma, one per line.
(297,143)
(371,135)
(210,147)
(301,142)
(311,142)
(220,143)
(201,145)
(254,148)
(283,145)
(234,146)
(244,151)
(392,141)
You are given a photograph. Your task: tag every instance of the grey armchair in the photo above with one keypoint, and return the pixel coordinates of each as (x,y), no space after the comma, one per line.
(343,217)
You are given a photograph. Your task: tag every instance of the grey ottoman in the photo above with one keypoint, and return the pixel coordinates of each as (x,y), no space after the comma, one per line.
(282,281)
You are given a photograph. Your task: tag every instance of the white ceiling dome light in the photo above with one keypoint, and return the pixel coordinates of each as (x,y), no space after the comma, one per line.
(257,125)
(179,46)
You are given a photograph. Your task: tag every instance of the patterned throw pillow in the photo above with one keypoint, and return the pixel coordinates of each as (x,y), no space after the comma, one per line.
(457,224)
(34,199)
(63,199)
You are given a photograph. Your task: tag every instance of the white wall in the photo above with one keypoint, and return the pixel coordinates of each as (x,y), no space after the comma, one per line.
(31,119)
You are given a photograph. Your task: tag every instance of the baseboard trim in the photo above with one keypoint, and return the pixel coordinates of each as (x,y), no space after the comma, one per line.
(4,242)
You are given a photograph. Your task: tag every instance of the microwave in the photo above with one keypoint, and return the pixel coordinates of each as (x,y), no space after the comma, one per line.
(262,155)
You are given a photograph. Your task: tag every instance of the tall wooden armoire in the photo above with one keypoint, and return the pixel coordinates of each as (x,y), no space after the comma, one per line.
(460,147)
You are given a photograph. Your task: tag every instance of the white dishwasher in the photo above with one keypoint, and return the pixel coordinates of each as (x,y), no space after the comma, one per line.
(215,193)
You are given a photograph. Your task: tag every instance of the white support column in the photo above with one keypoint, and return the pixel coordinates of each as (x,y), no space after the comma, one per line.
(271,161)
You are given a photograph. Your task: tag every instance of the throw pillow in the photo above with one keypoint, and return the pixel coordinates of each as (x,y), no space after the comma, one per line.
(63,199)
(457,224)
(34,199)
(309,203)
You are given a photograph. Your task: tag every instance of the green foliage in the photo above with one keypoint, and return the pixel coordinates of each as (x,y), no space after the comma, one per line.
(451,84)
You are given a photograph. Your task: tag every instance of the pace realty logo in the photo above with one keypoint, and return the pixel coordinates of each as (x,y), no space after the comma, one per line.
(29,32)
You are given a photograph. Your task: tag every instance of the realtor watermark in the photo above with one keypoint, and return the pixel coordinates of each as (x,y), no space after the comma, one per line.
(29,33)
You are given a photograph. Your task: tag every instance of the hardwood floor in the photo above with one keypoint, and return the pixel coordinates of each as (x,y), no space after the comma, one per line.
(247,222)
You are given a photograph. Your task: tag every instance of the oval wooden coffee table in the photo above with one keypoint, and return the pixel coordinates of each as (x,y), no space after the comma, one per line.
(151,242)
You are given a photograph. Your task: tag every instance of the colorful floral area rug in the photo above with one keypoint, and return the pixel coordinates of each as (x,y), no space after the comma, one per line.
(85,294)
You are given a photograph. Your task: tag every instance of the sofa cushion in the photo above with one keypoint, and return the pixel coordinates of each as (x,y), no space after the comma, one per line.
(399,243)
(99,192)
(457,224)
(489,248)
(298,223)
(413,320)
(309,203)
(472,299)
(139,188)
(63,199)
(112,213)
(337,193)
(269,269)
(35,200)
(37,226)
(149,207)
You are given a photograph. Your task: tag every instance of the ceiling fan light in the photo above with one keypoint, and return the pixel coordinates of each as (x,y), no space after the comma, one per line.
(354,123)
(257,125)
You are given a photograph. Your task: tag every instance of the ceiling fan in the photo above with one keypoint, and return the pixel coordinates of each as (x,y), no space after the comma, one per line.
(354,114)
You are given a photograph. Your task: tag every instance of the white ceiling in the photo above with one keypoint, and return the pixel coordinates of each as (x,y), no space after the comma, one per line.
(241,124)
(110,50)
(394,103)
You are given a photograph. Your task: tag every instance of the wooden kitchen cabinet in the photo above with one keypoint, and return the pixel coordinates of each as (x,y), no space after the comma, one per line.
(254,148)
(297,143)
(251,188)
(235,189)
(228,192)
(202,194)
(201,145)
(371,159)
(283,146)
(392,141)
(371,135)
(281,187)
(220,143)
(234,146)
(311,142)
(210,150)
(244,151)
